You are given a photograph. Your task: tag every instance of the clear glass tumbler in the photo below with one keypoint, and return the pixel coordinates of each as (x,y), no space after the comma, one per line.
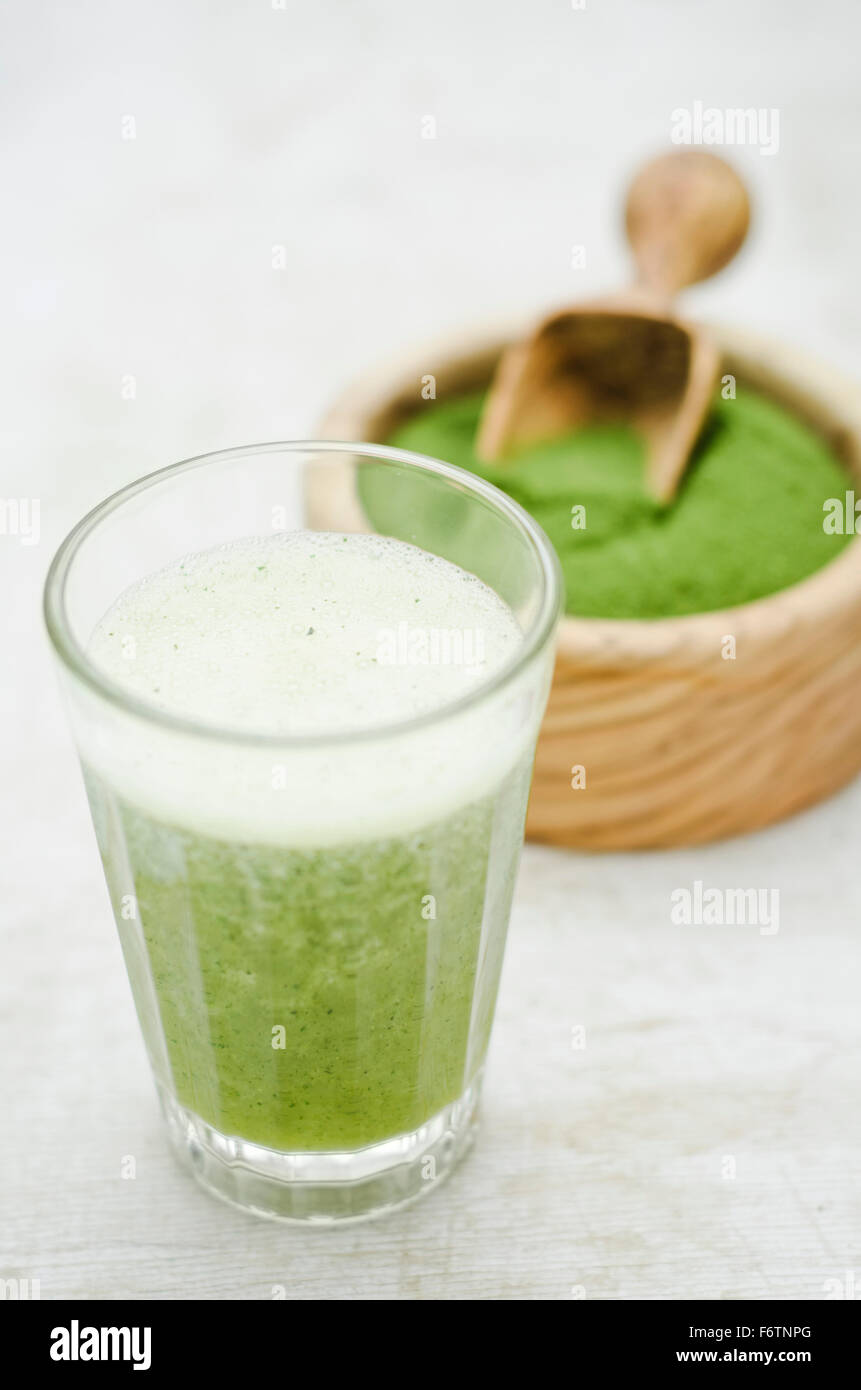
(313,926)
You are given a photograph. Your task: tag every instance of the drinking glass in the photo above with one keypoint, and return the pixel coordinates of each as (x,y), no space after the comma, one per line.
(313,926)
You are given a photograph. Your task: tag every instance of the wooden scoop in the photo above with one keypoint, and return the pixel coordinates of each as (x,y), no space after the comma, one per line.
(627,357)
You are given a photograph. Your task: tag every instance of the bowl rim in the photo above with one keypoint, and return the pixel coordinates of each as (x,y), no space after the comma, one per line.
(827,397)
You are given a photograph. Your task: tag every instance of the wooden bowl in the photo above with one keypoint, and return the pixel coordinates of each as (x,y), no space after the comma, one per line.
(679,745)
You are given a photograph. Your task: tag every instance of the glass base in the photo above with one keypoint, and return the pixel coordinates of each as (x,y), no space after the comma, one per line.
(323,1187)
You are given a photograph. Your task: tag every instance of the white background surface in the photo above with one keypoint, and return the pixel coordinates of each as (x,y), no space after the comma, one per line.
(598,1170)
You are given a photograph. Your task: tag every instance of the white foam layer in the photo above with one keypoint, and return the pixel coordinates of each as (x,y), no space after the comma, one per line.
(302,632)
(306,633)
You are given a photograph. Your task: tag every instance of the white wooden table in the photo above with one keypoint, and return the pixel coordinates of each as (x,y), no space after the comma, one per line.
(706,1140)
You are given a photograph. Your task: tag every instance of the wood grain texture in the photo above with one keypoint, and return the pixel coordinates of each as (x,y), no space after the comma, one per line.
(603,1167)
(630,357)
(679,744)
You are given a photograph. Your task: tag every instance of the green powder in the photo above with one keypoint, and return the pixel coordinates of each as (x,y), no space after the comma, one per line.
(747,520)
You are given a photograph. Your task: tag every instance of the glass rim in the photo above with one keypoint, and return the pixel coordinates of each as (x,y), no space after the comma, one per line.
(76,659)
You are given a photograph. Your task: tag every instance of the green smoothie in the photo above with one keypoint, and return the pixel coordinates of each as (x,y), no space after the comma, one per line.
(314,958)
(747,522)
(386,1013)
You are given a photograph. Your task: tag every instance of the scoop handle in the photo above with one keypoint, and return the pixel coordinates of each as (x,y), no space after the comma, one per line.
(686,216)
